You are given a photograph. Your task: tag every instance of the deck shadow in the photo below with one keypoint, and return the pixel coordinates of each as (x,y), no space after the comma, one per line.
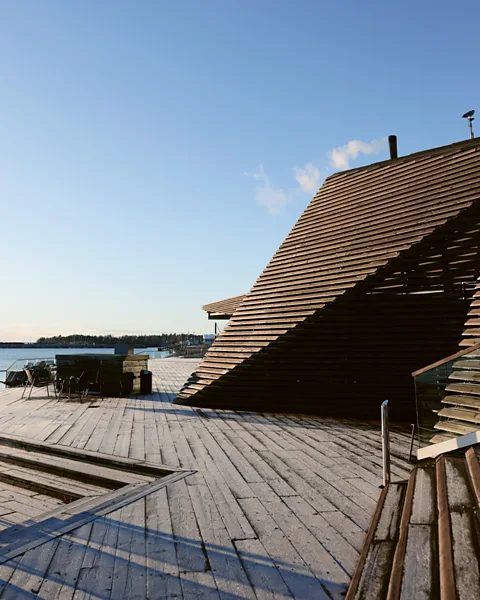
(159,562)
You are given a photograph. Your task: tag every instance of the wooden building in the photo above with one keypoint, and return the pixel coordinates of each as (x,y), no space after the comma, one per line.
(373,282)
(223,309)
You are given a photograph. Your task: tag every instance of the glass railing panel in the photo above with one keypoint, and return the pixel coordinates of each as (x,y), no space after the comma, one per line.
(15,375)
(448,398)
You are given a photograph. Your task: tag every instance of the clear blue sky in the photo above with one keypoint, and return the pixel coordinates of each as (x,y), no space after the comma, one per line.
(148,149)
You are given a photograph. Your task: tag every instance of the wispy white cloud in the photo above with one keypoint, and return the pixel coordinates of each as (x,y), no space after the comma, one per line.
(308,177)
(341,156)
(274,200)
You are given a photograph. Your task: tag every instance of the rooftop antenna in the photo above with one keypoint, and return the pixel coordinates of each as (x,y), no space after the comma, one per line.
(469,115)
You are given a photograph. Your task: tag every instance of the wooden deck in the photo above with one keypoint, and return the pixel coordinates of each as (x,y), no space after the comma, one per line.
(278,508)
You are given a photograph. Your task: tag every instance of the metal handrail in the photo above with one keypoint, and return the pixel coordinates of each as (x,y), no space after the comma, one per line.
(385,442)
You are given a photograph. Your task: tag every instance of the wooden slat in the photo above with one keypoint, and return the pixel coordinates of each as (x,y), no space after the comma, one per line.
(441,437)
(462,400)
(460,414)
(226,307)
(463,529)
(454,427)
(465,376)
(397,571)
(473,465)
(373,563)
(464,388)
(419,577)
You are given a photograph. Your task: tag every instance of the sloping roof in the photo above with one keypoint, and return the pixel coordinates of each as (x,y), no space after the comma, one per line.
(358,222)
(224,307)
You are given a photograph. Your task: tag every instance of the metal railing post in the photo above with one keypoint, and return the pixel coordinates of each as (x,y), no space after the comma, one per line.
(411,443)
(385,443)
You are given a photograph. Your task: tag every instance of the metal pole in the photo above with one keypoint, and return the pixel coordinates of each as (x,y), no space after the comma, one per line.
(411,443)
(470,119)
(385,443)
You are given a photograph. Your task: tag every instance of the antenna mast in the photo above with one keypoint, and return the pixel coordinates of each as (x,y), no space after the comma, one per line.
(469,115)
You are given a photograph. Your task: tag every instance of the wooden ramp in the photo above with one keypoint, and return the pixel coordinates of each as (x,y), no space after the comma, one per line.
(424,539)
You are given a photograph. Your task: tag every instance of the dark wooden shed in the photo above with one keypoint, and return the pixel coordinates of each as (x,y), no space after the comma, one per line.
(119,374)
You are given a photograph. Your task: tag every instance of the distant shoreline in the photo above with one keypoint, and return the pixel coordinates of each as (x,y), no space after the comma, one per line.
(57,345)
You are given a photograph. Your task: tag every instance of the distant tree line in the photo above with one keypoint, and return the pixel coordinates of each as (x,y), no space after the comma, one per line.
(165,340)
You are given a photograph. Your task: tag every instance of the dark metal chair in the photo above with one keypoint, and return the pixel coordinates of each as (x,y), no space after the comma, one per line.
(81,385)
(70,385)
(92,385)
(39,377)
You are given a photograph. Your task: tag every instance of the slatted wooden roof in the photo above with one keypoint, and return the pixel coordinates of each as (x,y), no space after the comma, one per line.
(350,238)
(224,307)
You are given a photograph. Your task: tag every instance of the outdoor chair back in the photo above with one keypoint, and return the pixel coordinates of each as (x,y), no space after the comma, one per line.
(39,377)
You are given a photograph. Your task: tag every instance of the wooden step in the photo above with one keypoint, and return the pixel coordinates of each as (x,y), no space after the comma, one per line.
(436,545)
(45,483)
(442,437)
(457,536)
(460,414)
(467,363)
(416,545)
(372,575)
(120,464)
(73,469)
(463,388)
(453,427)
(465,376)
(472,333)
(473,322)
(473,465)
(457,400)
(475,353)
(468,342)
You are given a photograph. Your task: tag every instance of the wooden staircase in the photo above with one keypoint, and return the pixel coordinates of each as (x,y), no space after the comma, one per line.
(461,413)
(471,333)
(424,539)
